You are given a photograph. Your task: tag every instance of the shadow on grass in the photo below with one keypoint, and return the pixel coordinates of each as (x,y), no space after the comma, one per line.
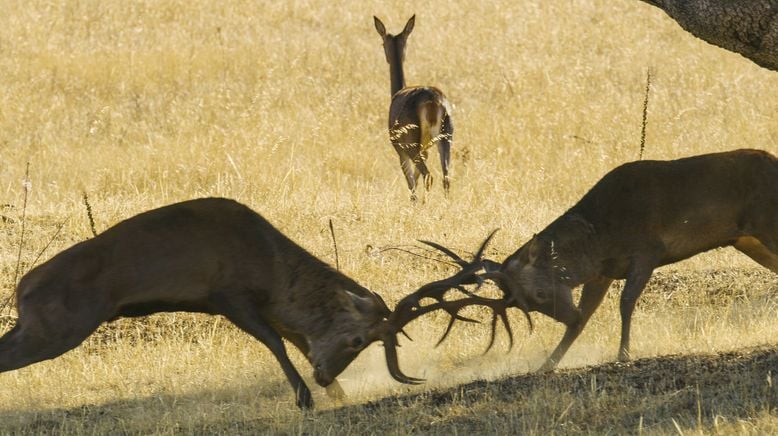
(660,394)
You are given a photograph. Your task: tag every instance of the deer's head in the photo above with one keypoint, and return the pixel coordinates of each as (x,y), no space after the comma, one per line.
(394,45)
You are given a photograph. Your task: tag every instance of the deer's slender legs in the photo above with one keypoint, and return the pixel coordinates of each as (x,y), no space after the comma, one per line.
(421,165)
(242,313)
(409,170)
(444,149)
(591,297)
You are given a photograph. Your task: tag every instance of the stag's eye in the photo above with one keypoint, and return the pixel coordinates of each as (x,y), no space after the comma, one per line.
(357,342)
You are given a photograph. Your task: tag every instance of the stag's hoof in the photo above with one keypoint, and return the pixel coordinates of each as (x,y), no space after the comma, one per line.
(304,399)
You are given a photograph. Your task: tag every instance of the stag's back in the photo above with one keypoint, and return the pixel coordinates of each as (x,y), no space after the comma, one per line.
(687,205)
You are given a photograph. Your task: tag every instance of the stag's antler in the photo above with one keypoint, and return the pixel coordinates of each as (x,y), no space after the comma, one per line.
(409,308)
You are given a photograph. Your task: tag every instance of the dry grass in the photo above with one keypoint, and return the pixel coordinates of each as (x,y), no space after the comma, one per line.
(282,106)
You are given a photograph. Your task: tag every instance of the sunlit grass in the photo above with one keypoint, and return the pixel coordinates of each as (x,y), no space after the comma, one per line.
(282,106)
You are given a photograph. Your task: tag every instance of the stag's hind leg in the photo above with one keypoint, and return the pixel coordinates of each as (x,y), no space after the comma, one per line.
(242,313)
(760,252)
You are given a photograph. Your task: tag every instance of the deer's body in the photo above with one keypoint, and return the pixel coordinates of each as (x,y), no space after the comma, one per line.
(419,116)
(638,217)
(213,256)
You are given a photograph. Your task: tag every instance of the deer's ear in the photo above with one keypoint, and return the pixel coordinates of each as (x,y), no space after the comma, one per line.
(409,25)
(363,305)
(379,26)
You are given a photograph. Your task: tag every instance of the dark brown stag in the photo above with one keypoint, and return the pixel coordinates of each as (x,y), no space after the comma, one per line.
(638,217)
(214,256)
(418,115)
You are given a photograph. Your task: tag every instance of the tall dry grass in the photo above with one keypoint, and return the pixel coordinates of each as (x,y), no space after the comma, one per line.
(282,106)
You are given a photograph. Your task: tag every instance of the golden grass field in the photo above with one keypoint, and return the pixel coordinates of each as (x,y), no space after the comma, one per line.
(282,106)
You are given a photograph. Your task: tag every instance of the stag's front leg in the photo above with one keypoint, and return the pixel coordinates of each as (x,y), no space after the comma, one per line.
(576,319)
(242,313)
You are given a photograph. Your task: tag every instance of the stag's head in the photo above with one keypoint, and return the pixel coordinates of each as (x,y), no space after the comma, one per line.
(394,45)
(545,270)
(356,324)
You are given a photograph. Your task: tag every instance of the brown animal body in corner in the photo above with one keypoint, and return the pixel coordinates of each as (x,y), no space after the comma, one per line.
(418,115)
(214,256)
(638,217)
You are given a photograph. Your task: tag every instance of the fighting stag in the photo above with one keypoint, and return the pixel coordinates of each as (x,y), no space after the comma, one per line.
(418,115)
(213,256)
(638,217)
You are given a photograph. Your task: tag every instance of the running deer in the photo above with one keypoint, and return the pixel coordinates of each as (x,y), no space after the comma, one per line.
(215,256)
(418,115)
(638,217)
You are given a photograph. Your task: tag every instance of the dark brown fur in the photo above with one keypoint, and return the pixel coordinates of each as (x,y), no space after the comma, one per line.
(638,217)
(211,255)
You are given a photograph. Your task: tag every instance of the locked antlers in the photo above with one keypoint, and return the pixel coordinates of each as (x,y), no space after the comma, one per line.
(410,307)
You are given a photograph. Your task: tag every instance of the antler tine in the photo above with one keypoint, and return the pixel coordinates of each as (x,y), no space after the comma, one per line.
(482,248)
(503,315)
(458,260)
(434,290)
(512,297)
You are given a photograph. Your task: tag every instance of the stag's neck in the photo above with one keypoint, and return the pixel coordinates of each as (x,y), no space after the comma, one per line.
(572,240)
(318,290)
(396,72)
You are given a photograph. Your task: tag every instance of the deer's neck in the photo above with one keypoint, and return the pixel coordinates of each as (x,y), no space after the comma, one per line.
(575,250)
(396,72)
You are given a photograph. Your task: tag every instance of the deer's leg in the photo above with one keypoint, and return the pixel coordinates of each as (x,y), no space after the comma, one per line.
(444,149)
(409,169)
(242,313)
(637,278)
(591,297)
(421,165)
(755,249)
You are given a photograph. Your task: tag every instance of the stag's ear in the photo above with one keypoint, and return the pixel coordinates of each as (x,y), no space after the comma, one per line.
(365,305)
(379,26)
(409,26)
